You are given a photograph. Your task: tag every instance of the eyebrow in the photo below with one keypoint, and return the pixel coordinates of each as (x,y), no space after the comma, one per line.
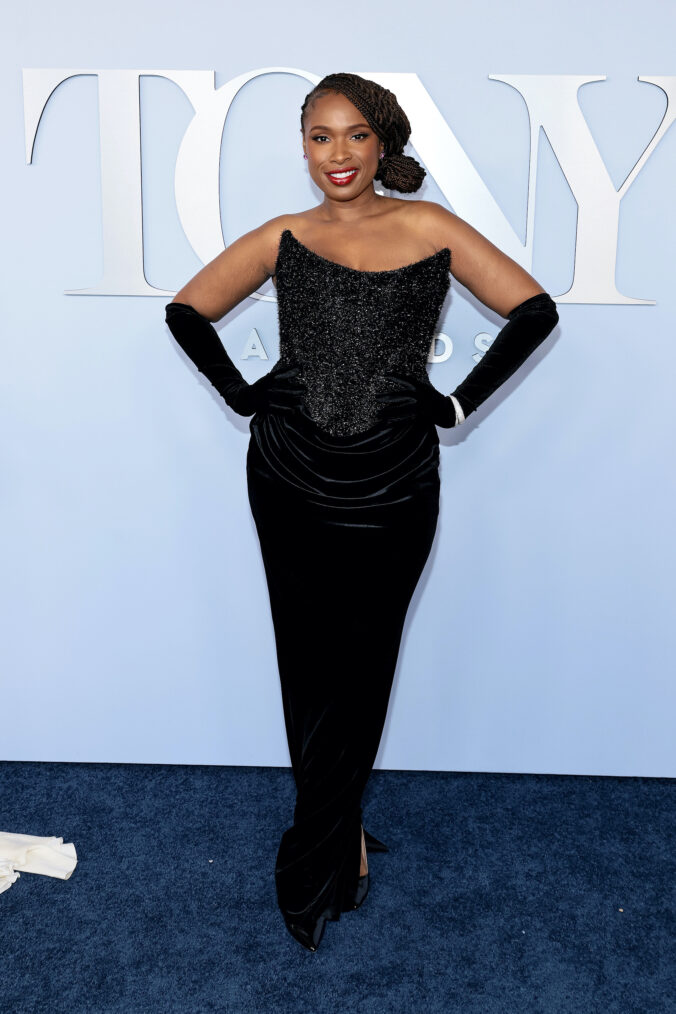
(320,126)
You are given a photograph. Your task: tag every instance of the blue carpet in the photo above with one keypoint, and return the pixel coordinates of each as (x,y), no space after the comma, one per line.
(501,894)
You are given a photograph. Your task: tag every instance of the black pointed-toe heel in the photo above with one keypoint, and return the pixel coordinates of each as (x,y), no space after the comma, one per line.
(372,844)
(309,938)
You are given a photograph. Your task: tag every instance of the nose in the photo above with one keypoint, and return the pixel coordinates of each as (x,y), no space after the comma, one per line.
(341,153)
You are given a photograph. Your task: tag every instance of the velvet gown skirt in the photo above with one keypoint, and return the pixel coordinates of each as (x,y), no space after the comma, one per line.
(345,525)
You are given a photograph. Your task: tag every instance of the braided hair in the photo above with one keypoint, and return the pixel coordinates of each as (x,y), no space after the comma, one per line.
(382,112)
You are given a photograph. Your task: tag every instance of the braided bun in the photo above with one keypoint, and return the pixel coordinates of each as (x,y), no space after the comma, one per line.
(400,172)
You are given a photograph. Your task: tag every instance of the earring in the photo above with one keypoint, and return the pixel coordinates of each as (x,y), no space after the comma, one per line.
(305,155)
(382,155)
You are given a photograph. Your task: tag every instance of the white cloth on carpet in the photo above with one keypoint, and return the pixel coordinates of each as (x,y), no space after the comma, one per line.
(31,853)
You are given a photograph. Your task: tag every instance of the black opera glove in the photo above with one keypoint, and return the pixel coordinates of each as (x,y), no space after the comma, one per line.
(415,398)
(527,326)
(279,389)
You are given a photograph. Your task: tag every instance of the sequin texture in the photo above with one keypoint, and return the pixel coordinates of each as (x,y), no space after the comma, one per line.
(345,328)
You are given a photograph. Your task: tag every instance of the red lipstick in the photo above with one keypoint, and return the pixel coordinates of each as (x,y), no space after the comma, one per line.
(337,176)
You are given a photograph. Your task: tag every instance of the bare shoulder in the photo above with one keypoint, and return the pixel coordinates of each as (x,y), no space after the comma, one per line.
(443,226)
(491,275)
(237,272)
(271,234)
(430,222)
(263,241)
(436,223)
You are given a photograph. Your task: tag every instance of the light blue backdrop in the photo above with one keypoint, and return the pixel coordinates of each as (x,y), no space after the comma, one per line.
(134,604)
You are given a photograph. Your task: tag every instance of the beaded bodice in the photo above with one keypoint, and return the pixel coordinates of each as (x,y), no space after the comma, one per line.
(345,327)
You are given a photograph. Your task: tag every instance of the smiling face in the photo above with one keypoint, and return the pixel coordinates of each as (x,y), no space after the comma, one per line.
(343,151)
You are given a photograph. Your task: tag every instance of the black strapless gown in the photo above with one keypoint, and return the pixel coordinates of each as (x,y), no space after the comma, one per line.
(345,506)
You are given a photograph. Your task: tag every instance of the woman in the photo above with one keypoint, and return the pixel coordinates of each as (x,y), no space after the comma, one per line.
(343,458)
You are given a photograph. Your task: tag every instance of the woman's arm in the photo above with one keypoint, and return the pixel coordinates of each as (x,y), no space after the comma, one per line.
(235,273)
(501,284)
(216,289)
(489,274)
(508,289)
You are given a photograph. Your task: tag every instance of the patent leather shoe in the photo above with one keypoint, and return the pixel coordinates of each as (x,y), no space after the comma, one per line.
(309,937)
(362,890)
(372,843)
